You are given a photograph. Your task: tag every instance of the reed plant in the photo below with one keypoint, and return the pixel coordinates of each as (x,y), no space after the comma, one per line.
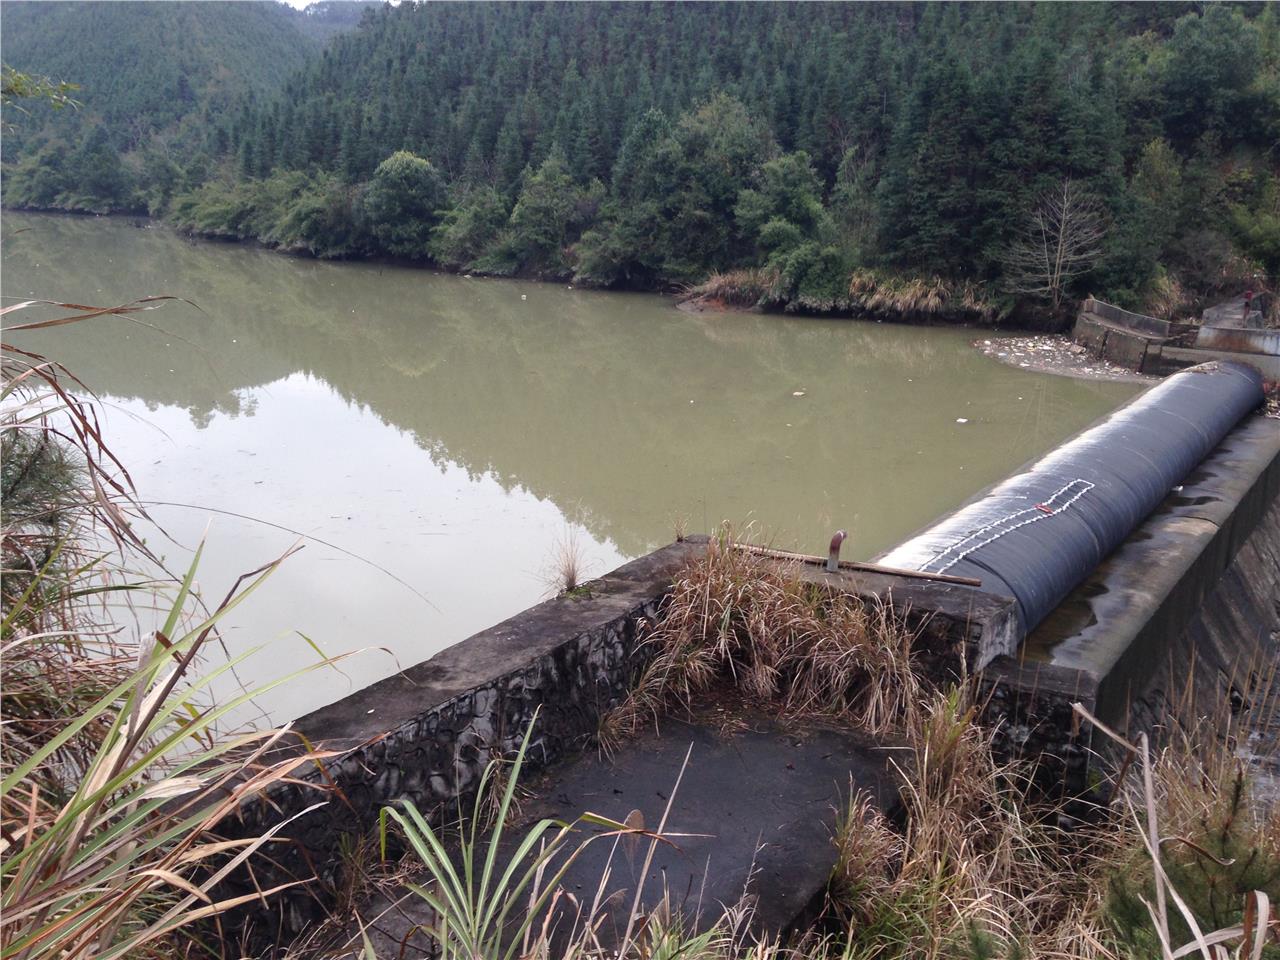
(864,290)
(750,287)
(985,867)
(494,899)
(115,770)
(110,843)
(978,867)
(919,296)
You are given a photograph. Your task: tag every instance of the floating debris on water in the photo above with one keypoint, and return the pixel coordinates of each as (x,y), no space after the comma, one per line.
(1054,354)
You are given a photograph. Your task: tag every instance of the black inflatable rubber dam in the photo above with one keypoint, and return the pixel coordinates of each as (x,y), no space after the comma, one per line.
(1037,535)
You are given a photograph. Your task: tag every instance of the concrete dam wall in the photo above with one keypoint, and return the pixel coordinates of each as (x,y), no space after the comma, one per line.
(1188,587)
(1149,345)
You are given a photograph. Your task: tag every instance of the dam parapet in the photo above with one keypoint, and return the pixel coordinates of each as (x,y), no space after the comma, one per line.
(1153,346)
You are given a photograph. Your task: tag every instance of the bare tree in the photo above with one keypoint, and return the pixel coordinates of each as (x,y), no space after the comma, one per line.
(1061,238)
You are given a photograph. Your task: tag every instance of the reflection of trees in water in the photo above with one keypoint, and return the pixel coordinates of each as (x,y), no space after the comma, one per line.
(581,398)
(857,342)
(188,362)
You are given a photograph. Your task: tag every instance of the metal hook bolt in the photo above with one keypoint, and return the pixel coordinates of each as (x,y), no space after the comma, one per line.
(833,557)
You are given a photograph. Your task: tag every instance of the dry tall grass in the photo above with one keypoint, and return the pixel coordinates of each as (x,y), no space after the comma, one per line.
(63,500)
(977,870)
(566,568)
(753,287)
(984,868)
(1166,297)
(916,296)
(738,617)
(871,291)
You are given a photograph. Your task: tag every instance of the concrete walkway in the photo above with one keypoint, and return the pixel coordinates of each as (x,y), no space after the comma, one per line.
(758,806)
(1230,313)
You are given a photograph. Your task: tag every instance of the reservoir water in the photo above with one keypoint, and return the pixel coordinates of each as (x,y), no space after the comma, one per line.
(435,441)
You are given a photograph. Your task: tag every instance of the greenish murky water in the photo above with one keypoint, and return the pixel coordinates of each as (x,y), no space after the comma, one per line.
(454,431)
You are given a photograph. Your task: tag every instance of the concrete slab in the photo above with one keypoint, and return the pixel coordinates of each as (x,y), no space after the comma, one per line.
(1231,313)
(1124,319)
(758,804)
(497,652)
(1189,356)
(1090,333)
(1127,348)
(1239,340)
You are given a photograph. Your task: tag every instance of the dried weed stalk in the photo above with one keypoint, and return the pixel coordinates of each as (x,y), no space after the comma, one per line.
(972,871)
(985,868)
(781,640)
(566,568)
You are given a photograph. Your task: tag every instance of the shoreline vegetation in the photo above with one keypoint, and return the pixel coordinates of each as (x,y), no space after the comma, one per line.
(873,295)
(893,301)
(870,295)
(117,769)
(828,158)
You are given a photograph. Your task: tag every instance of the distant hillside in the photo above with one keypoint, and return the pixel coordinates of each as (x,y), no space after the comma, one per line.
(325,19)
(145,64)
(812,156)
(153,76)
(797,146)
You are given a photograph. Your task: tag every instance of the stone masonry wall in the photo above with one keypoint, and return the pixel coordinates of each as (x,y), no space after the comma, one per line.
(1229,650)
(425,735)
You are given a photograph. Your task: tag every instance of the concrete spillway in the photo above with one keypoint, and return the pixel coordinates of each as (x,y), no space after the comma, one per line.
(1037,535)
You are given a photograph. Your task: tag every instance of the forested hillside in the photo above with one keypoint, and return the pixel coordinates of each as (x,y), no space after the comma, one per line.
(812,156)
(154,79)
(325,19)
